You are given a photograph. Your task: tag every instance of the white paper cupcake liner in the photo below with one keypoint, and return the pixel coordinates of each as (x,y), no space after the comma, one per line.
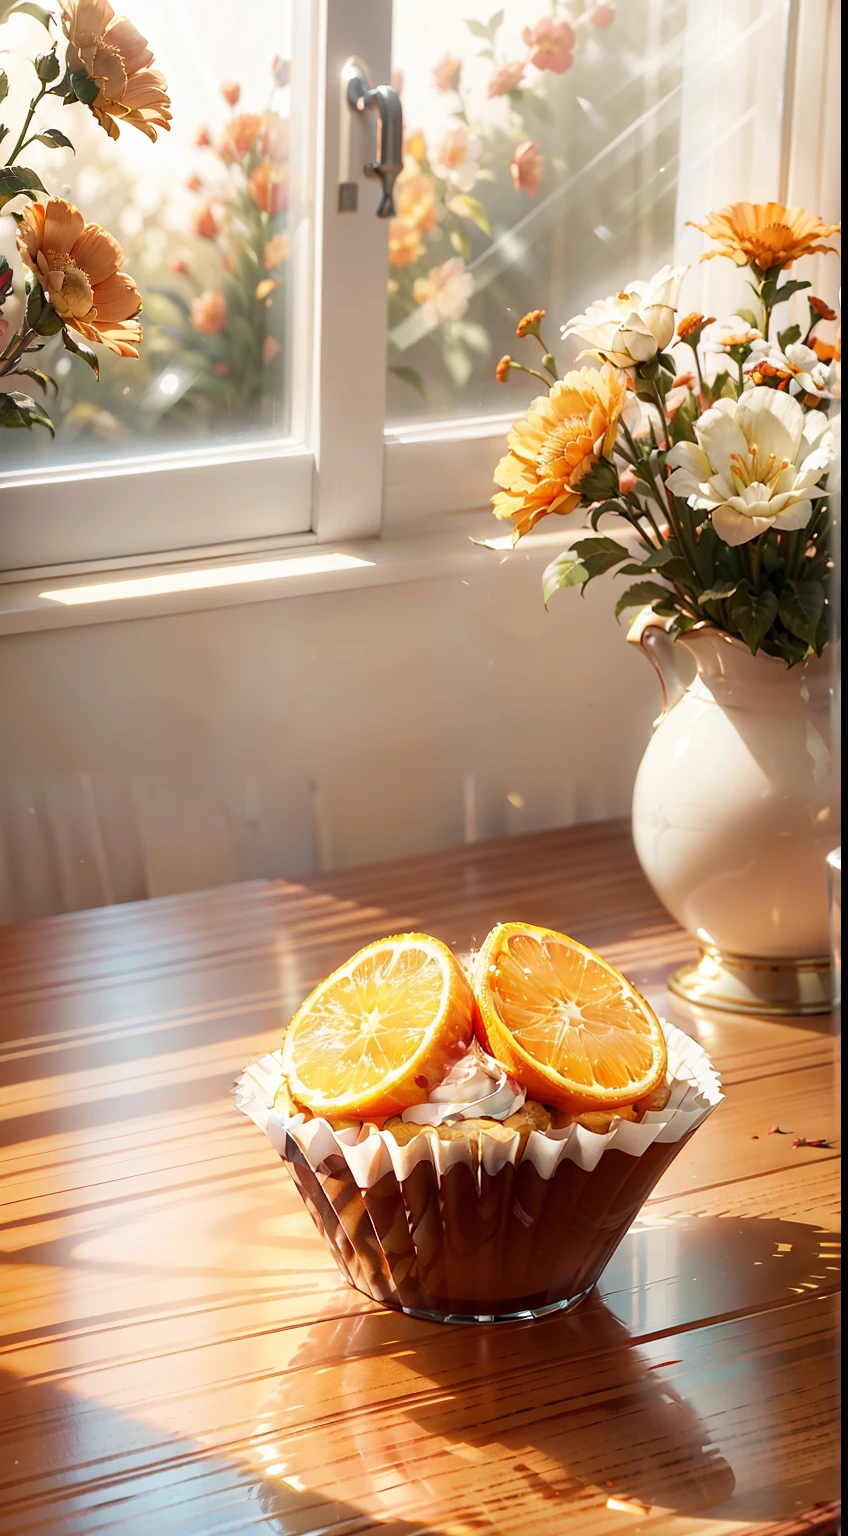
(429,1228)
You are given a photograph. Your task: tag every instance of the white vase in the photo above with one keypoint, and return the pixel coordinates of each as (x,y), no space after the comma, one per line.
(734,817)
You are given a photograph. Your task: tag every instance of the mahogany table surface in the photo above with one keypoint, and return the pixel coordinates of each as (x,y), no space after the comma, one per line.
(179,1354)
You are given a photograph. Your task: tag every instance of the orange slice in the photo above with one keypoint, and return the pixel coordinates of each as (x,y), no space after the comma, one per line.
(382,1031)
(564,1022)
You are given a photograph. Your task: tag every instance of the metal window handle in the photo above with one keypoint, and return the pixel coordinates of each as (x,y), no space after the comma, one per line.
(388,161)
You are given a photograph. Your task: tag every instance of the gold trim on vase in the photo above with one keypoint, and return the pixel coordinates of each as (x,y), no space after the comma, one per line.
(742,984)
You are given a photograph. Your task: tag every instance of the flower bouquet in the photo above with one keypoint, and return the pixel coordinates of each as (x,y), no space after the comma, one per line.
(718,472)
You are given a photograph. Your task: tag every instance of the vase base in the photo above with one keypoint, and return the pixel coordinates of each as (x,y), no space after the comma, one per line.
(736,984)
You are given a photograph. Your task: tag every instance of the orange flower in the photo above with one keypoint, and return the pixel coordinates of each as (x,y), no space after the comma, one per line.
(202,138)
(526,168)
(823,310)
(78,267)
(239,137)
(691,323)
(209,312)
(193,182)
(110,51)
(276,251)
(564,434)
(503,368)
(505,79)
(221,370)
(203,221)
(178,263)
(530,322)
(269,186)
(270,348)
(231,92)
(766,235)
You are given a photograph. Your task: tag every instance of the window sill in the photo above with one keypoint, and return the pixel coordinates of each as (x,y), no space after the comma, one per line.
(444,548)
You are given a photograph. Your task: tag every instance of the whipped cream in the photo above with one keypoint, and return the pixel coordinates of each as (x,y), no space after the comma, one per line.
(476,1085)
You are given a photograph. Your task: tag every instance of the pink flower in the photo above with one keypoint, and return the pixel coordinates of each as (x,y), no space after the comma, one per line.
(526,168)
(627,480)
(600,14)
(551,45)
(505,79)
(231,92)
(281,70)
(448,73)
(209,312)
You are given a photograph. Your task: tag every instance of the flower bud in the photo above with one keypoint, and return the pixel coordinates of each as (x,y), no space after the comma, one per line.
(47,67)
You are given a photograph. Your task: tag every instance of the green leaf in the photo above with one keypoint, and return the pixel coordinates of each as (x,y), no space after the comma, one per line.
(55,139)
(17,179)
(4,85)
(794,285)
(801,607)
(495,21)
(598,555)
(80,349)
(48,322)
(786,338)
(603,507)
(641,594)
(791,649)
(17,410)
(470,208)
(29,8)
(461,243)
(457,362)
(84,88)
(477,29)
(34,303)
(44,380)
(718,592)
(565,571)
(412,377)
(473,335)
(753,613)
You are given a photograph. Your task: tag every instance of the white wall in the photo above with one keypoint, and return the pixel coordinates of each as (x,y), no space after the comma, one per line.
(159,755)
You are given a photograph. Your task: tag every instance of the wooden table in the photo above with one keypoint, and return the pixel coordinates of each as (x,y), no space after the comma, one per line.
(179,1355)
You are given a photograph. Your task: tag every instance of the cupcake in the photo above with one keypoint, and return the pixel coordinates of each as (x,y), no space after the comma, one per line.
(473,1144)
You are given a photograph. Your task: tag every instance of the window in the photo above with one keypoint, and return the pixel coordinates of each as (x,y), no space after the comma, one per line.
(282,394)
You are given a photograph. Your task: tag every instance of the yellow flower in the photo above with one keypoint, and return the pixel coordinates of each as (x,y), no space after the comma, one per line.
(78,267)
(562,436)
(417,215)
(765,234)
(114,54)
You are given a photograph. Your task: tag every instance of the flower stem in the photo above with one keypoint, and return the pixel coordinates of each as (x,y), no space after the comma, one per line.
(23,140)
(16,349)
(535,372)
(756,561)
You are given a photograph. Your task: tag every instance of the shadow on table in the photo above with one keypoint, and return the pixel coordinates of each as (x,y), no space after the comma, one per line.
(523,1426)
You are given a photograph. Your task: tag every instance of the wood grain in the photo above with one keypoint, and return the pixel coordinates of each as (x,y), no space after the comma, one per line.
(178,1354)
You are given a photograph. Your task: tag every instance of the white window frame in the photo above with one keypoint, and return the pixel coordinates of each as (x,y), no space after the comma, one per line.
(343,475)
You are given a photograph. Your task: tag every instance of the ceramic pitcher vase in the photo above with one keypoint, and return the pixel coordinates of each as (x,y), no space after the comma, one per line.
(734,816)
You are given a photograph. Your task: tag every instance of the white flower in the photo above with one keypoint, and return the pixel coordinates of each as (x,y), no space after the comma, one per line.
(632,326)
(803,371)
(445,292)
(758,462)
(456,158)
(730,332)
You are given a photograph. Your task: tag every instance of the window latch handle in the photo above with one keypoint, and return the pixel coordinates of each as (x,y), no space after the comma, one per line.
(388,161)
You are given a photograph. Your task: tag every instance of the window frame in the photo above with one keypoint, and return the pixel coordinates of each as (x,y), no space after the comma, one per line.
(343,474)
